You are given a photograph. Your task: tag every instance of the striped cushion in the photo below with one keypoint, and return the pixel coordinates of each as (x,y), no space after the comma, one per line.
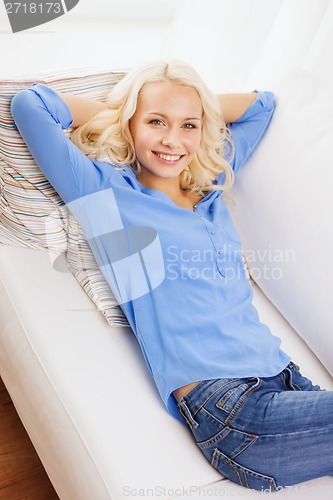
(31,212)
(26,196)
(83,265)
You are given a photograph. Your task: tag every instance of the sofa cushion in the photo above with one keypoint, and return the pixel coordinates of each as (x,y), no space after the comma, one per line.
(31,212)
(27,199)
(219,53)
(284,197)
(85,394)
(83,265)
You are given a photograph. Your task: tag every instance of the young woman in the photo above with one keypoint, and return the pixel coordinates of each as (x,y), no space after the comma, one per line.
(159,228)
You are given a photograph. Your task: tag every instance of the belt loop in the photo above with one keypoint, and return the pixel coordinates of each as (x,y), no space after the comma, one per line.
(184,410)
(290,383)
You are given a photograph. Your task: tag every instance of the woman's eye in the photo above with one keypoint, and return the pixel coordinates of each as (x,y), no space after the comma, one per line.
(190,125)
(156,122)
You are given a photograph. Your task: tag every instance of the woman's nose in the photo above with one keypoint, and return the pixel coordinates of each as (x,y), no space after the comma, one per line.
(171,140)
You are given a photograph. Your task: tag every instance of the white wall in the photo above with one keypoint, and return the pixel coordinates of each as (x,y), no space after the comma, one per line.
(103,34)
(129,10)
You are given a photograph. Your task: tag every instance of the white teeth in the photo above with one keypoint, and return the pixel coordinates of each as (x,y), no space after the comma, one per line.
(168,157)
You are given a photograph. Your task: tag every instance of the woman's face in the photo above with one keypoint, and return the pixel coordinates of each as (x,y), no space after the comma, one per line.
(166,130)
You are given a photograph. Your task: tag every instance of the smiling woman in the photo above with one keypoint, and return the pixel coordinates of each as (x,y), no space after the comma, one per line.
(78,383)
(145,95)
(217,367)
(166,140)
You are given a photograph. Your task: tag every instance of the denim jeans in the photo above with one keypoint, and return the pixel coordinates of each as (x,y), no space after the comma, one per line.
(263,433)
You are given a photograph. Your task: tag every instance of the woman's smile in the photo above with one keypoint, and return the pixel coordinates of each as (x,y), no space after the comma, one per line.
(167,158)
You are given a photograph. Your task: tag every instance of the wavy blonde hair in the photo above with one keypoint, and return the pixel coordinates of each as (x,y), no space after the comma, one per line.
(108,133)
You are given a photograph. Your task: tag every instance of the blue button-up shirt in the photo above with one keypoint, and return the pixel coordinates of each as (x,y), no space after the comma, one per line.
(178,275)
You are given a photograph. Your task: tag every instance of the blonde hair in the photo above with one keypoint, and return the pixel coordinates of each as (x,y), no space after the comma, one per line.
(108,133)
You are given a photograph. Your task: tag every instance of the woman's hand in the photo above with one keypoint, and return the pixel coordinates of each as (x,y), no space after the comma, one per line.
(82,109)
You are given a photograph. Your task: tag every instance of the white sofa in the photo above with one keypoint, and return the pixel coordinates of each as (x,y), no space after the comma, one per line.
(80,386)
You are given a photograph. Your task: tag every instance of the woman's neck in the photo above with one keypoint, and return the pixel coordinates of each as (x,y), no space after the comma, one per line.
(170,187)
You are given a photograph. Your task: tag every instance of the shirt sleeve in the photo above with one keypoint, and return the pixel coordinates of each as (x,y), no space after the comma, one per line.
(41,116)
(249,129)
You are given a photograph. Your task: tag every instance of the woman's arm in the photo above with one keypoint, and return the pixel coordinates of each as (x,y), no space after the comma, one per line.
(256,111)
(82,109)
(40,116)
(233,106)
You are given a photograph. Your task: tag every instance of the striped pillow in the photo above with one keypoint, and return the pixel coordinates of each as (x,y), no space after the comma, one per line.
(32,214)
(82,263)
(26,198)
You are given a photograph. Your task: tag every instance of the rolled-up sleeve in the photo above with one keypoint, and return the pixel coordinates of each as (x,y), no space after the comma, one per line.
(41,116)
(249,129)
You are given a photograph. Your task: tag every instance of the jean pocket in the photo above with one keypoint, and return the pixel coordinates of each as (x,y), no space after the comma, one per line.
(241,475)
(231,397)
(233,400)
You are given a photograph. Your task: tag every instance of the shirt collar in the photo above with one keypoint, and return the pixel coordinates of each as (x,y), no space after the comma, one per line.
(130,177)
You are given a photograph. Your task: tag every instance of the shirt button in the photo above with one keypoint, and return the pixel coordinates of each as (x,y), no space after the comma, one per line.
(195,206)
(212,232)
(220,252)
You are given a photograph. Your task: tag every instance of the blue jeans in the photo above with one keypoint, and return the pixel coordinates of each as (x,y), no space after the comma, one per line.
(263,433)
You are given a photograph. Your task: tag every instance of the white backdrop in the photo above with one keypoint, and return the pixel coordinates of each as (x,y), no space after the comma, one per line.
(103,34)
